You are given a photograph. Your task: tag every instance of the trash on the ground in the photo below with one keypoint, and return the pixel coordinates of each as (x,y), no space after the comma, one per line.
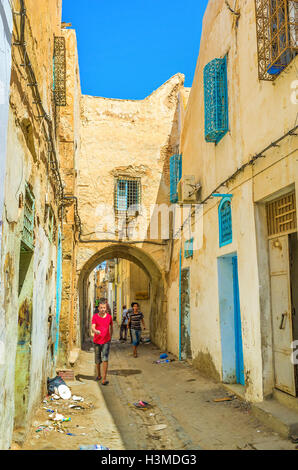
(53,385)
(142,404)
(258,430)
(64,392)
(70,434)
(147,341)
(94,447)
(59,417)
(77,398)
(157,427)
(76,407)
(48,410)
(163,356)
(223,399)
(294,438)
(56,397)
(151,414)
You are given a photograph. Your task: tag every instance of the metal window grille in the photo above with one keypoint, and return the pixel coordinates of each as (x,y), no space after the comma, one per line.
(51,220)
(225,222)
(28,224)
(216,100)
(127,194)
(175,176)
(281,215)
(188,248)
(277,35)
(59,71)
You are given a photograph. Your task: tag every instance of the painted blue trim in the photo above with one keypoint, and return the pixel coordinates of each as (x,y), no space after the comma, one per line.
(238,330)
(175,176)
(223,242)
(221,195)
(180,310)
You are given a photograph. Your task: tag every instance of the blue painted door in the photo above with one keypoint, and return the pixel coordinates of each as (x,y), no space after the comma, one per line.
(237,324)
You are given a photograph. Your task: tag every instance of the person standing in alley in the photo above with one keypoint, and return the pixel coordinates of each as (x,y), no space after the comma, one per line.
(135,319)
(124,322)
(102,328)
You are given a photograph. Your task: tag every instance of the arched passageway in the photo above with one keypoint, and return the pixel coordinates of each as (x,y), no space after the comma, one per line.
(158,320)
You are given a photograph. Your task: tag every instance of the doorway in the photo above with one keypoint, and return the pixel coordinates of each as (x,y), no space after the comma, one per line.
(185,315)
(230,320)
(283,258)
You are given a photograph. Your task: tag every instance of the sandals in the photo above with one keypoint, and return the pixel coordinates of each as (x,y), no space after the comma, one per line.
(105,383)
(98,379)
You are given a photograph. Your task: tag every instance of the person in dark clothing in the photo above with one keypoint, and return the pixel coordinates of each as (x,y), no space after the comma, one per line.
(135,320)
(124,322)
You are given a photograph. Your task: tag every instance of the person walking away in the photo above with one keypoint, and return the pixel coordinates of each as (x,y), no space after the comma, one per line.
(135,320)
(124,322)
(129,312)
(102,327)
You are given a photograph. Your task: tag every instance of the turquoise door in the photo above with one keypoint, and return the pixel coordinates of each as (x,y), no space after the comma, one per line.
(237,324)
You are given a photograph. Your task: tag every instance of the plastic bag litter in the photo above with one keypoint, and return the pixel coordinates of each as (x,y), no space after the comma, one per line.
(64,392)
(53,384)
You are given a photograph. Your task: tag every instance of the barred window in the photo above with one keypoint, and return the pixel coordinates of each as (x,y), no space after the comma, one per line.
(127,194)
(28,224)
(175,176)
(216,100)
(59,71)
(277,35)
(225,222)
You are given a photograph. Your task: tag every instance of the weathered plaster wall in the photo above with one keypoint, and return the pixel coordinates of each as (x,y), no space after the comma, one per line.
(259,112)
(27,163)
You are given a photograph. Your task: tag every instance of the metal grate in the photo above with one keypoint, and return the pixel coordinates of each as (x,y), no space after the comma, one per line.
(216,100)
(51,223)
(28,224)
(127,194)
(59,71)
(188,248)
(281,215)
(175,176)
(277,35)
(225,222)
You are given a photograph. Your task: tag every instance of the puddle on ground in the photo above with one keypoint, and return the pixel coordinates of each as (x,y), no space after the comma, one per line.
(124,372)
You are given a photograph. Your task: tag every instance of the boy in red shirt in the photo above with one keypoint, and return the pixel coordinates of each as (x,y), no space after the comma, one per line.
(102,327)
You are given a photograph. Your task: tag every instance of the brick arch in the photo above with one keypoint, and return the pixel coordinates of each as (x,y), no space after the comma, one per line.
(146,262)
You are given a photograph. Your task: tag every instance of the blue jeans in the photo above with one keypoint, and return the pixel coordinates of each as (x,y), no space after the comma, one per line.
(136,336)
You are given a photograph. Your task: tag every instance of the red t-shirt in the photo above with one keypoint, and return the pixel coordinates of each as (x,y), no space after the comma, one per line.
(102,324)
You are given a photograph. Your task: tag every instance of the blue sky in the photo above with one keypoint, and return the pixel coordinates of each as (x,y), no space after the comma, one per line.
(128,48)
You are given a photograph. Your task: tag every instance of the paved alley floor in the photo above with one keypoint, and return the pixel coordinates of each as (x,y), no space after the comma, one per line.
(181,399)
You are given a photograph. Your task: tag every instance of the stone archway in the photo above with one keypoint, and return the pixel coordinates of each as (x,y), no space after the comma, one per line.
(158,314)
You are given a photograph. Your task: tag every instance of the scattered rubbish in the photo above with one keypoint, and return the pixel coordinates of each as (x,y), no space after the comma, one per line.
(151,414)
(147,341)
(77,398)
(48,410)
(223,399)
(53,385)
(76,407)
(94,447)
(142,404)
(56,397)
(59,417)
(163,356)
(258,431)
(157,427)
(64,392)
(70,434)
(294,438)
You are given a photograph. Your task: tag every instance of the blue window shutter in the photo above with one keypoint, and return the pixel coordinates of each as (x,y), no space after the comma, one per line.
(188,248)
(216,100)
(225,222)
(175,176)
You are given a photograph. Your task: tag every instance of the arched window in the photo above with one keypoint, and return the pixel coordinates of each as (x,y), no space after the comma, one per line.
(225,222)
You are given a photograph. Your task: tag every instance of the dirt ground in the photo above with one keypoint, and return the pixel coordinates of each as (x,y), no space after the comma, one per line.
(181,399)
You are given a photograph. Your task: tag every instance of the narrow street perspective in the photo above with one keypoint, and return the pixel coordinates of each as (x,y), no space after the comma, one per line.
(148,237)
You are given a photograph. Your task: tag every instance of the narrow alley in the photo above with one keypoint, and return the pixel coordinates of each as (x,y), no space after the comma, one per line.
(181,399)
